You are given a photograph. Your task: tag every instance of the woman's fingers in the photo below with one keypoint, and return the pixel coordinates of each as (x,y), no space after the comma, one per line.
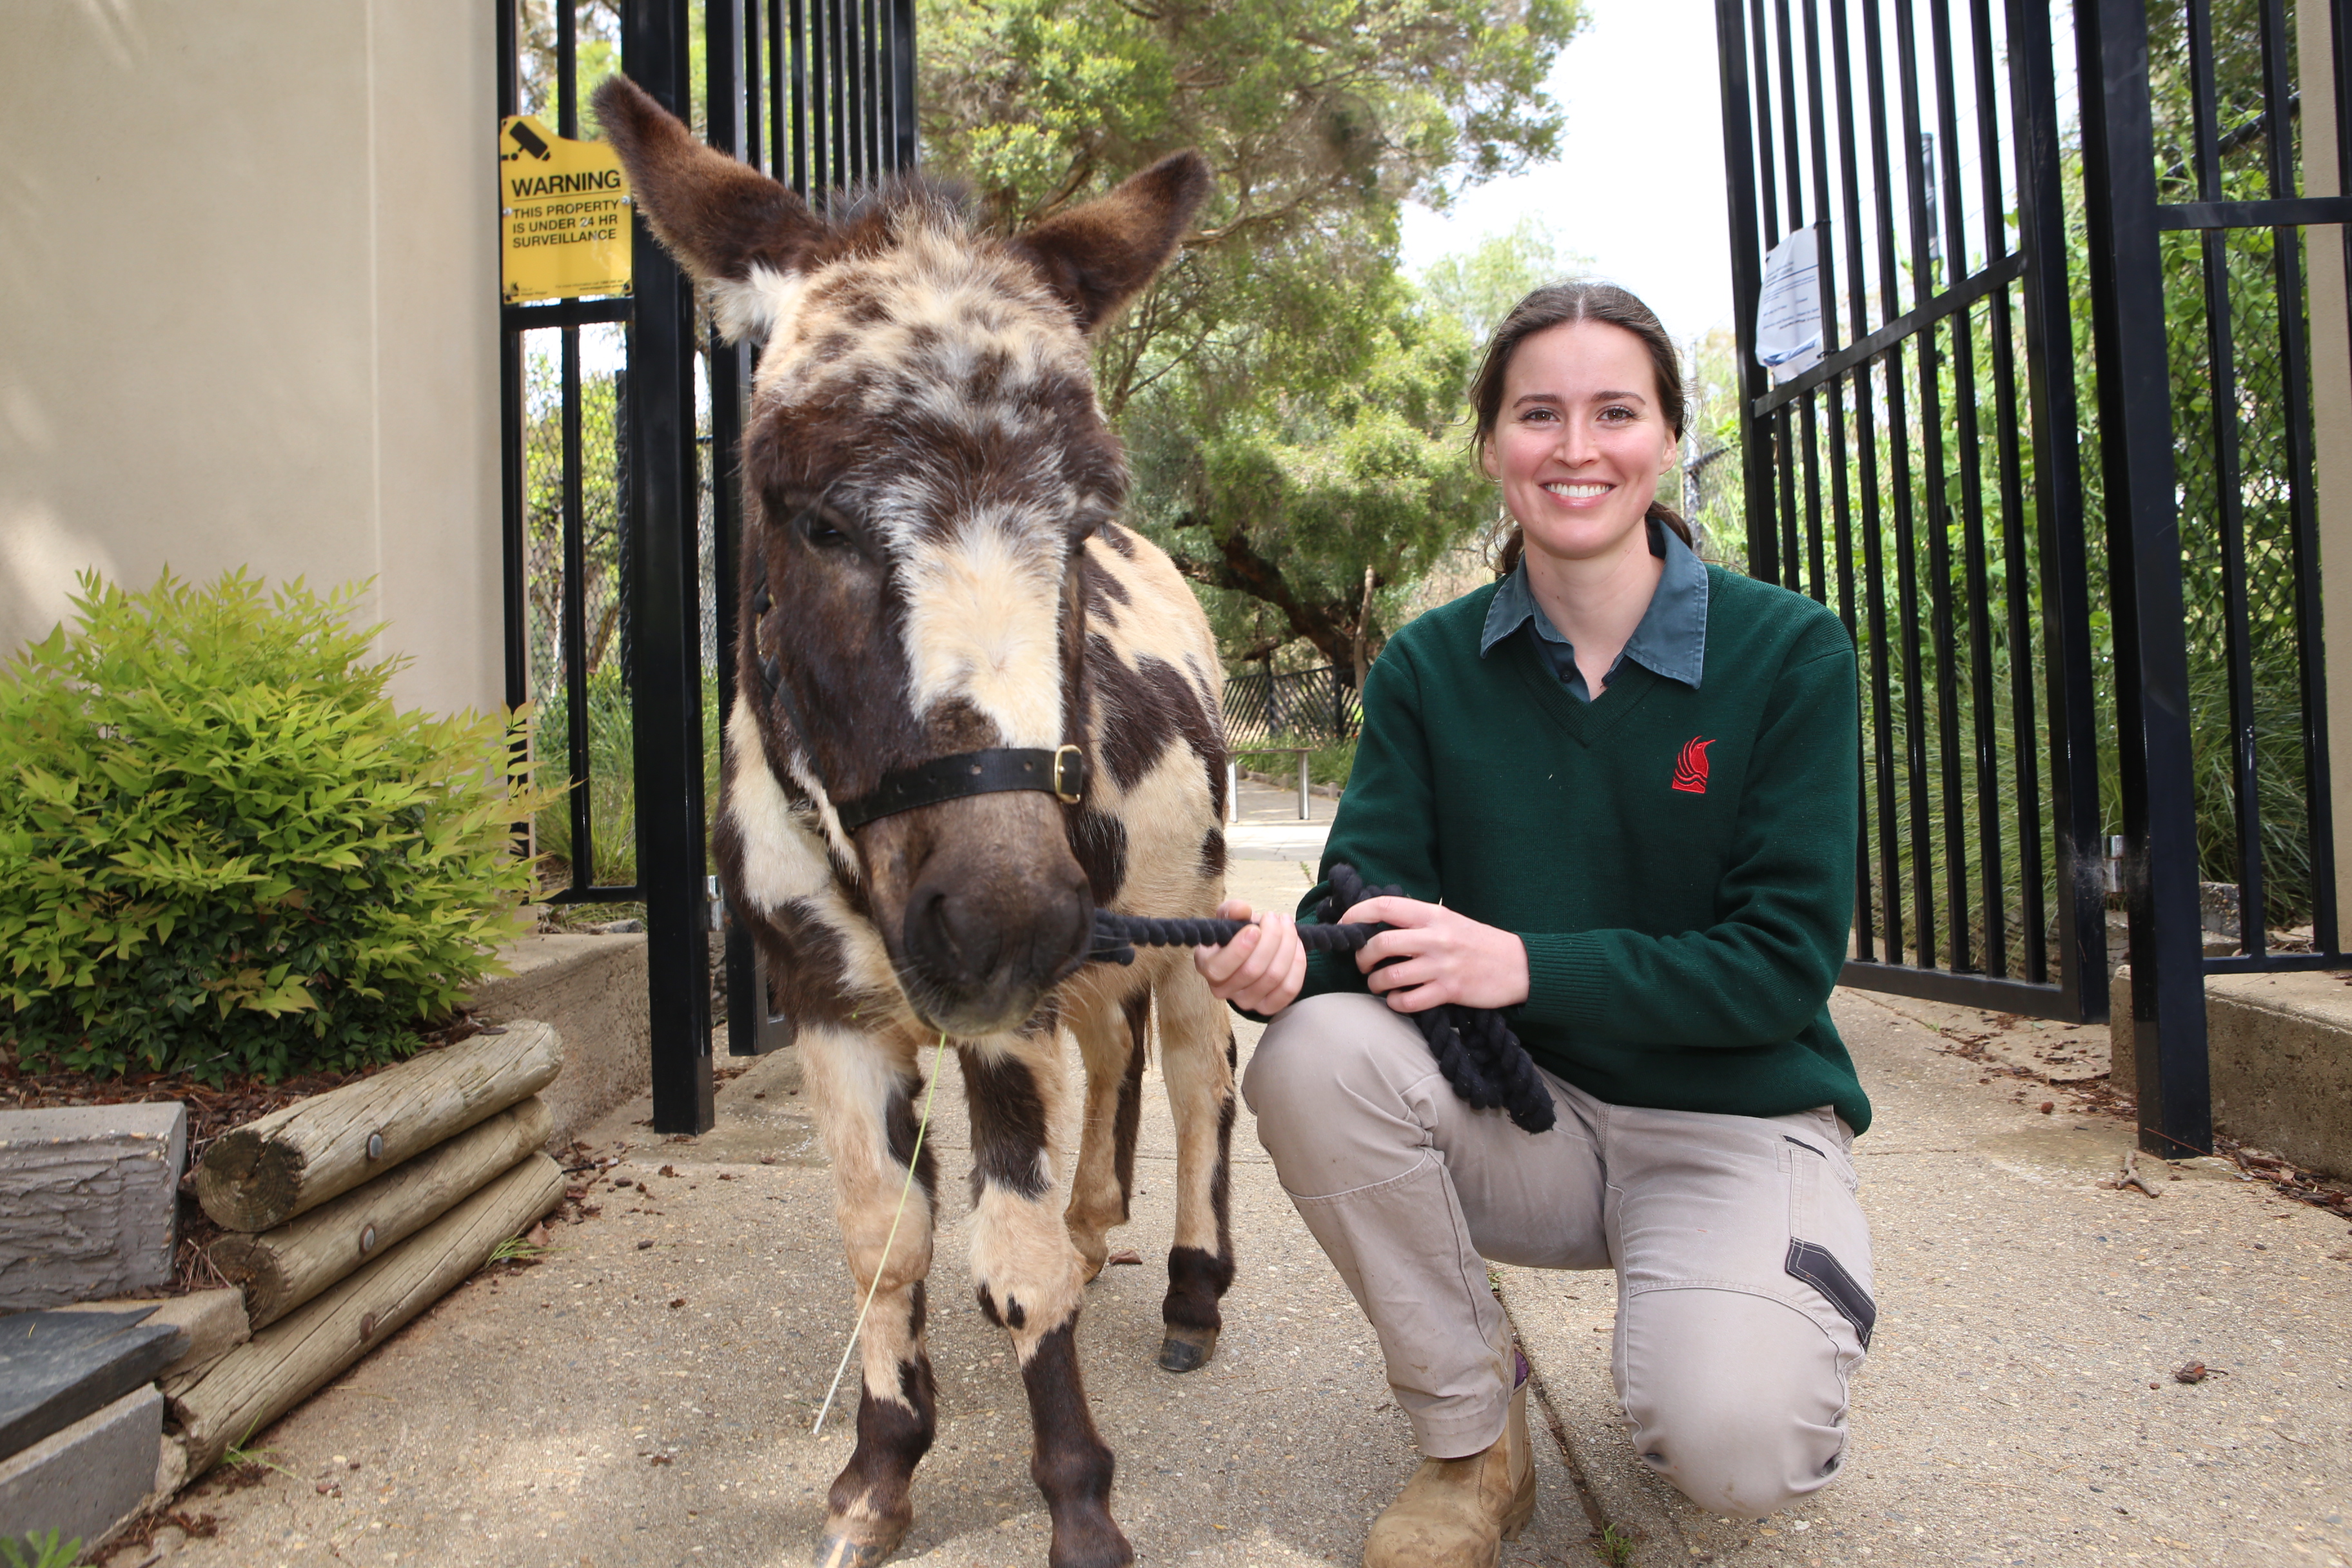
(1262,969)
(1393,911)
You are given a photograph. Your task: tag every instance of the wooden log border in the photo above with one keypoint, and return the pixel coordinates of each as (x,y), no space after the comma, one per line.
(282,1268)
(292,1359)
(268,1171)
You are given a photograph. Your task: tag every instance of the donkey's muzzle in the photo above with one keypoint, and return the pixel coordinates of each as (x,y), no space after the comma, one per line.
(982,959)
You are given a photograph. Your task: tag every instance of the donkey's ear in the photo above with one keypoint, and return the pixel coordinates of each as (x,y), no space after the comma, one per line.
(1100,256)
(723,219)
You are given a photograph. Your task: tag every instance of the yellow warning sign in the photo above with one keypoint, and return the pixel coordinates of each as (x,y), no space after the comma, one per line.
(566,214)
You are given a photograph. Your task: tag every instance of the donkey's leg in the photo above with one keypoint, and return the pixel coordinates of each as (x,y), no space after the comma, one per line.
(1196,1057)
(1110,1042)
(866,1090)
(1030,1280)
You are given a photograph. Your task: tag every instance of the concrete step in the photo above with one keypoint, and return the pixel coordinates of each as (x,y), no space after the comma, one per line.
(591,989)
(89,1198)
(90,1479)
(2280,1047)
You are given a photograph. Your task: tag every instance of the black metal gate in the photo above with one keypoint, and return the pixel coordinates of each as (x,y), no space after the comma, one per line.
(621,510)
(1934,476)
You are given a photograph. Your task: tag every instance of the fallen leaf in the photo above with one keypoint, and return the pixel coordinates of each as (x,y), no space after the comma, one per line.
(681,1301)
(1116,1258)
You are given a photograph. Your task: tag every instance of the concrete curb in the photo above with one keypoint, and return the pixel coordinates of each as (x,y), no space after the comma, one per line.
(591,989)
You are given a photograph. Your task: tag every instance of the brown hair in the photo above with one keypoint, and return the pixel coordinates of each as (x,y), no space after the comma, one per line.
(1555,305)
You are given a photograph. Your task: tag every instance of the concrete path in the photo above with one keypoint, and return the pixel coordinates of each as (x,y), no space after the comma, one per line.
(643,1396)
(1269,828)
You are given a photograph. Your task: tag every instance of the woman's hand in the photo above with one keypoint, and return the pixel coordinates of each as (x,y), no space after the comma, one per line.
(1262,969)
(1443,957)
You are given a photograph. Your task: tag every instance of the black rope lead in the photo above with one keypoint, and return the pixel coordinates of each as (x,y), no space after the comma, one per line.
(1473,1047)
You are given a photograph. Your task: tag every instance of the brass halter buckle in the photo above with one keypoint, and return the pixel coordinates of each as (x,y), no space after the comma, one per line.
(1069,775)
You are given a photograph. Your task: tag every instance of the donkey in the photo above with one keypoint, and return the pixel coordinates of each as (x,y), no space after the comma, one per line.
(974,709)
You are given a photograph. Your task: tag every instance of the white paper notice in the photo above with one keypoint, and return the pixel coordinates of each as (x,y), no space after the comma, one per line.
(1788,308)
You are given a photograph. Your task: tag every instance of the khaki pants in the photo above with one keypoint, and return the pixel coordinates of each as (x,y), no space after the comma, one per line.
(1742,1258)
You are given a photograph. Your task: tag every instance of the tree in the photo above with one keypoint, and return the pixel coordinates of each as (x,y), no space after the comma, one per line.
(1287,397)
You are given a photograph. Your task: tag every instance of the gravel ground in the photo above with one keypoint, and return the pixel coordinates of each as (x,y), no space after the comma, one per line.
(644,1395)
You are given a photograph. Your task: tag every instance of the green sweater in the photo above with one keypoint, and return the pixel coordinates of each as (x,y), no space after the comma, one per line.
(1678,861)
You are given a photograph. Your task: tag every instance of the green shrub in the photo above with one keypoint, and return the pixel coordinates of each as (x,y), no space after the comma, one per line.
(223,851)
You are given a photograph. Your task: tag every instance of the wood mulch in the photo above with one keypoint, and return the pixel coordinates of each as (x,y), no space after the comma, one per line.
(212,1109)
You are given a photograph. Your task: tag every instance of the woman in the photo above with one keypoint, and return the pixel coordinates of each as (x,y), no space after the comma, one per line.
(1618,790)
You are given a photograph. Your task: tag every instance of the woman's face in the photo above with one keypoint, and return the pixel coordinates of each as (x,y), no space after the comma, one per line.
(1580,441)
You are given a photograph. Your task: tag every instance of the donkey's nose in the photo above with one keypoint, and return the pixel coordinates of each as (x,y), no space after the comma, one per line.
(956,940)
(988,951)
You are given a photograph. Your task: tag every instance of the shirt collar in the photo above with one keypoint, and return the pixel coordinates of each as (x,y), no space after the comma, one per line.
(1671,639)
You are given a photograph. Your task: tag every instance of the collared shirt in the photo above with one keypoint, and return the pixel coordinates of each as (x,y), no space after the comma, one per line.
(1671,639)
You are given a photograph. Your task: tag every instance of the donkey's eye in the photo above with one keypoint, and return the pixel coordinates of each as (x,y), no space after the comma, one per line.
(819,530)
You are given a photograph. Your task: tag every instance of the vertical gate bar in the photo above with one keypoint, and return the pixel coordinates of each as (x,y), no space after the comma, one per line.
(818,132)
(667,673)
(845,151)
(878,105)
(1761,54)
(513,497)
(567,67)
(2032,916)
(1815,558)
(2229,491)
(755,56)
(2065,570)
(851,44)
(1791,150)
(1943,640)
(1841,521)
(788,49)
(2303,521)
(1747,279)
(575,623)
(902,85)
(2151,670)
(1898,441)
(730,90)
(1865,431)
(1792,577)
(1990,896)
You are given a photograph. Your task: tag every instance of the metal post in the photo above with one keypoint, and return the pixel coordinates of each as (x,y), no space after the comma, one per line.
(1747,280)
(2058,503)
(666,671)
(2144,546)
(1302,786)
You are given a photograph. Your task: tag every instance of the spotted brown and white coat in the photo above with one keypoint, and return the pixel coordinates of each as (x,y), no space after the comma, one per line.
(933,566)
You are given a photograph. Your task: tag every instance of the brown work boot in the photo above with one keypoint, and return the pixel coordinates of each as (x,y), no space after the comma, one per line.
(1457,1513)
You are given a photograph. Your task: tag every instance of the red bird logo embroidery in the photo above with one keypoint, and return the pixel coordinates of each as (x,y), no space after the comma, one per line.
(1690,767)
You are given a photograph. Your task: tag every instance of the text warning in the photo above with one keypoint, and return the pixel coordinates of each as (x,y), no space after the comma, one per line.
(565,215)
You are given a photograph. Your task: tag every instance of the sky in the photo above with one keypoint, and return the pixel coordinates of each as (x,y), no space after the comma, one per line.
(1638,186)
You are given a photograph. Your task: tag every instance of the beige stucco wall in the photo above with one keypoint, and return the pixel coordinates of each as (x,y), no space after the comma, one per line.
(249,311)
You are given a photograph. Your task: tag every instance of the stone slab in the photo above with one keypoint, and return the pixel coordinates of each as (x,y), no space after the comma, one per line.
(58,1367)
(85,1480)
(2280,1050)
(214,1320)
(592,990)
(89,1201)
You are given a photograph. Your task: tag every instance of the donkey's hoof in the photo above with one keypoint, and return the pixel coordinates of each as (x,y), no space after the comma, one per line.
(1186,1350)
(864,1549)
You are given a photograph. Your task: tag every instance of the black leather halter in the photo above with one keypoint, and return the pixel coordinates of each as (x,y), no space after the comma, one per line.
(1060,772)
